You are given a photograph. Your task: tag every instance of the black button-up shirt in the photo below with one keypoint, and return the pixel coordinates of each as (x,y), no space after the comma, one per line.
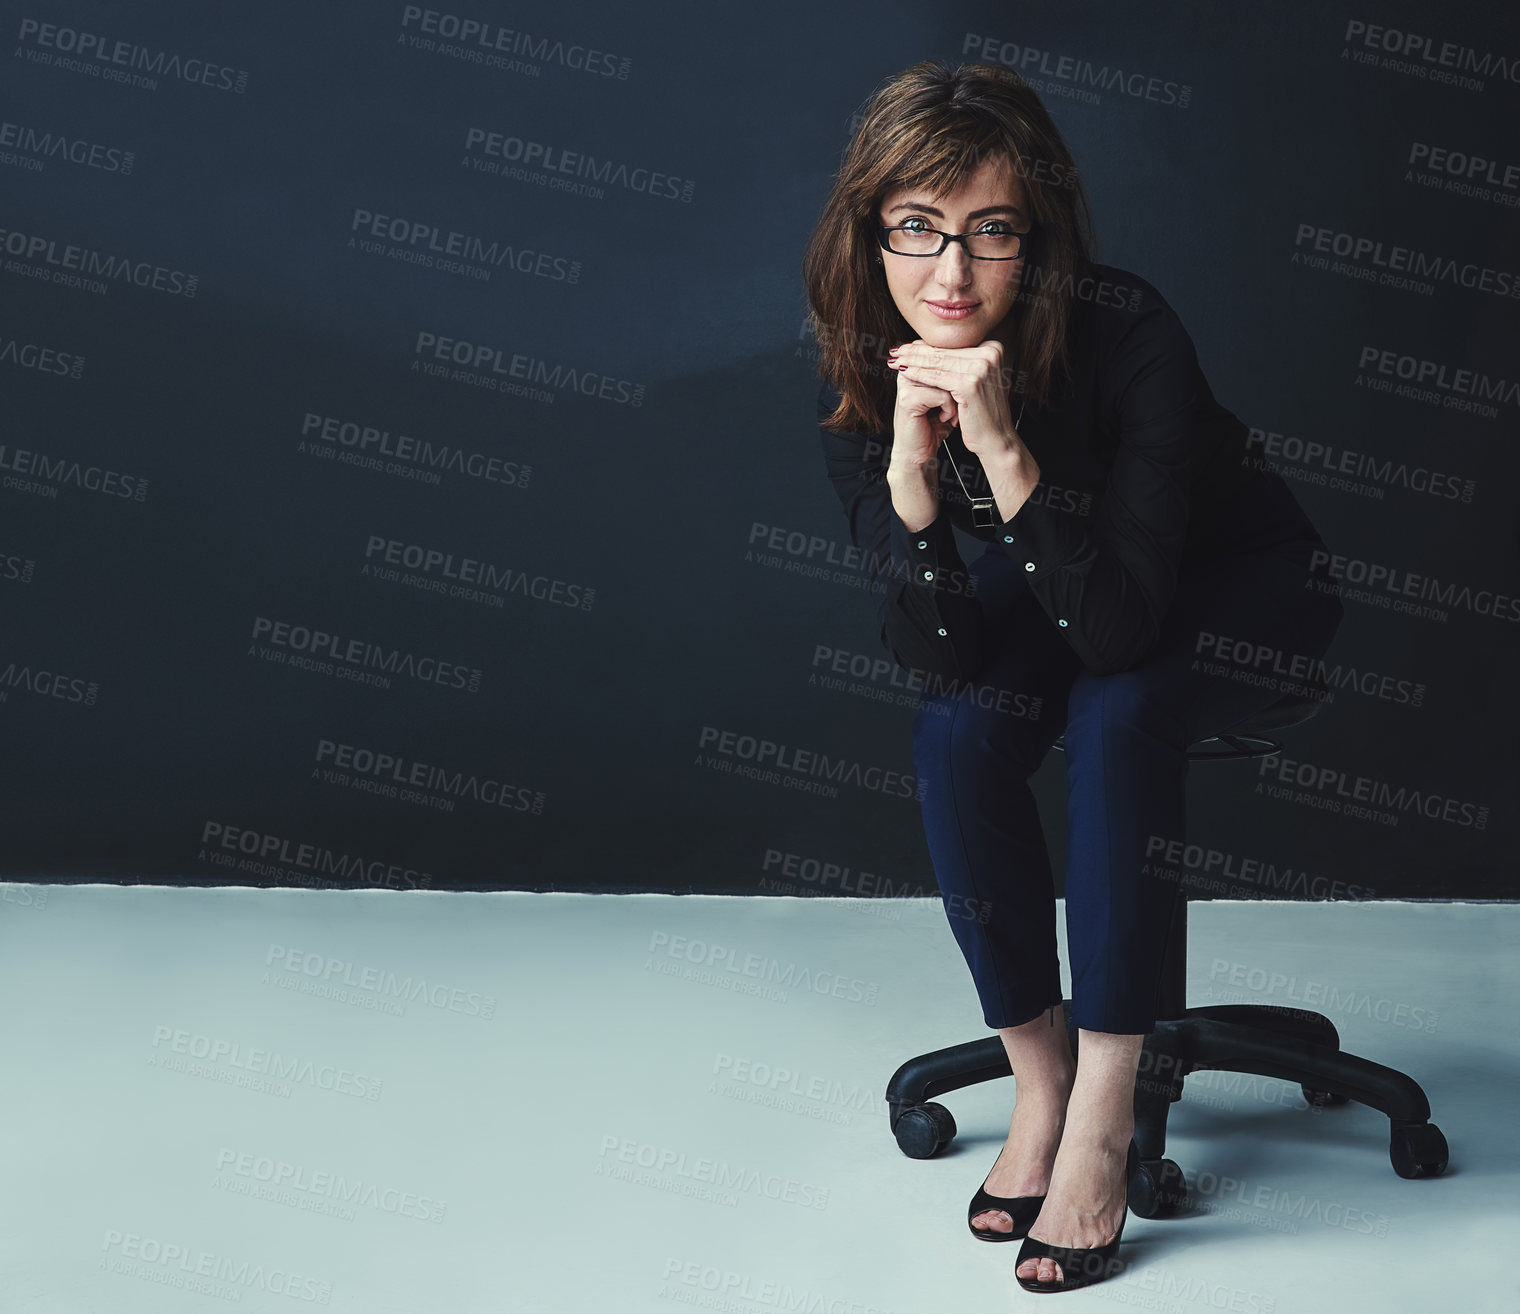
(1141,470)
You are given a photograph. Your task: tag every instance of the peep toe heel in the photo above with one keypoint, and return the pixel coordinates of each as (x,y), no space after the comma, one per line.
(1022,1209)
(1080,1266)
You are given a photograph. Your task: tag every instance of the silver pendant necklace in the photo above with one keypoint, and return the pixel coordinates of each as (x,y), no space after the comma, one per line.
(984,509)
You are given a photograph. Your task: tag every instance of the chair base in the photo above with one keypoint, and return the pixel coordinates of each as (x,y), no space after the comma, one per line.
(1286,1043)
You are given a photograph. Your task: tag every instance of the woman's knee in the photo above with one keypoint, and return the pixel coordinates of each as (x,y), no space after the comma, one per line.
(1143,698)
(979,729)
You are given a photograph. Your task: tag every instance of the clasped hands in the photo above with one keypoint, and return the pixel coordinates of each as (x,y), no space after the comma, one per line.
(940,387)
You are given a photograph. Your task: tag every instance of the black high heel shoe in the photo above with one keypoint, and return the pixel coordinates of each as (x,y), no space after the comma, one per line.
(1080,1267)
(1022,1209)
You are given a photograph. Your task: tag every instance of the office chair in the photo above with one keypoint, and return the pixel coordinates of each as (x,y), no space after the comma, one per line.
(1287,1043)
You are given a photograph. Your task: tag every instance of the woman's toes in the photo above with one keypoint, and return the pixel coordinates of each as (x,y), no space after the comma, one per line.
(993,1221)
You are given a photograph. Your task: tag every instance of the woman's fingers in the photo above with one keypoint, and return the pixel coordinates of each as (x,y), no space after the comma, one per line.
(940,406)
(938,377)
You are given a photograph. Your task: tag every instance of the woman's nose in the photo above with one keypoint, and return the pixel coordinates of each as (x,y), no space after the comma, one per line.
(953,266)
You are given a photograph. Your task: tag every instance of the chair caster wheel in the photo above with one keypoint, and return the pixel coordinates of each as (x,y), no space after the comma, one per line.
(1158,1190)
(1321,1099)
(924,1130)
(1418,1151)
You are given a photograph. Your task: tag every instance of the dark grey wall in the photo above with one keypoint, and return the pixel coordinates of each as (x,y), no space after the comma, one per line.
(620,583)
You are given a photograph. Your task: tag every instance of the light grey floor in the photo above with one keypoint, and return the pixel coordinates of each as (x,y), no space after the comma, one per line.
(461,1104)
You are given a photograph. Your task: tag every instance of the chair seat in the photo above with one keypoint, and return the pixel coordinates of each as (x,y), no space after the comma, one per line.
(1291,709)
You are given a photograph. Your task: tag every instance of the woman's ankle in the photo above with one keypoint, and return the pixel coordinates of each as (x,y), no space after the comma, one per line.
(1046,1087)
(1110,1134)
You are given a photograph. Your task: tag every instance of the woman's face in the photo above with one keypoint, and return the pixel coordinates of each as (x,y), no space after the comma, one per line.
(951,300)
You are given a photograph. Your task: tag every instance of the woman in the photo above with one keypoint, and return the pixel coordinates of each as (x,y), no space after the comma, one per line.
(1126,527)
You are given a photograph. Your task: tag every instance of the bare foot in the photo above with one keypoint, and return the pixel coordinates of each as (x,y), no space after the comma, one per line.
(1086,1201)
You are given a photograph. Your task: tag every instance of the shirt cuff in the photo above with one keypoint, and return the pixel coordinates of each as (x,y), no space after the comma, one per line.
(1040,539)
(924,551)
(935,624)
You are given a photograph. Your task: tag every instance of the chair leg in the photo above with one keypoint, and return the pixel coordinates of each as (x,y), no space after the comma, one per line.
(922,1127)
(1202,1039)
(1220,1044)
(1271,1017)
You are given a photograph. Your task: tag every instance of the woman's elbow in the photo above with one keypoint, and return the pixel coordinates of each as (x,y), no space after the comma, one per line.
(938,668)
(1116,658)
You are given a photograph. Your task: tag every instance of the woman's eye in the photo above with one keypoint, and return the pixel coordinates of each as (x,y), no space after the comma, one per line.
(921,225)
(997,228)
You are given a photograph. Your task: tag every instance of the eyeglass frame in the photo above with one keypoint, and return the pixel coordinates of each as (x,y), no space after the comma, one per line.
(883,229)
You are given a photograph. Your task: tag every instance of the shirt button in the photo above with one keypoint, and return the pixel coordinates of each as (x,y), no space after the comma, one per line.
(1029,565)
(942,631)
(929,574)
(1061,623)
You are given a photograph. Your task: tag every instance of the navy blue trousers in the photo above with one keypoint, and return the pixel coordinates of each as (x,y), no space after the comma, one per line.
(1126,738)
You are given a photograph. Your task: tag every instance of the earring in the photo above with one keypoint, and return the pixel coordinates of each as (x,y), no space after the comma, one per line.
(878,260)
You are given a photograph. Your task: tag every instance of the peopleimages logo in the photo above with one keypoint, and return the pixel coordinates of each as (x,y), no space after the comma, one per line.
(383,555)
(1254,871)
(260,847)
(351,442)
(359,659)
(47,683)
(58,471)
(1465,173)
(482,42)
(804,769)
(1371,255)
(1248,655)
(180,1265)
(14,566)
(481,363)
(106,58)
(1423,56)
(43,359)
(1437,374)
(1341,468)
(315,965)
(1346,792)
(1066,75)
(723,1175)
(395,775)
(255,1061)
(865,885)
(39,145)
(506,148)
(876,676)
(36,256)
(802,553)
(428,243)
(1406,584)
(296,1184)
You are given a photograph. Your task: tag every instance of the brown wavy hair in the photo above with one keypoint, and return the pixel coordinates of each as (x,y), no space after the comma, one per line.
(930,127)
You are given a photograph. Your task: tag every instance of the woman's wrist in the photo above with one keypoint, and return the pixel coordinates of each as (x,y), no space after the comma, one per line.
(915,494)
(1012,476)
(909,475)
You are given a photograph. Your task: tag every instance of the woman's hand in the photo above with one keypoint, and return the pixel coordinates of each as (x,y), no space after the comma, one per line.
(969,386)
(923,416)
(966,386)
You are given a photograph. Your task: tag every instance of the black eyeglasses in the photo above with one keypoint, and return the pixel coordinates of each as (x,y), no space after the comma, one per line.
(915,238)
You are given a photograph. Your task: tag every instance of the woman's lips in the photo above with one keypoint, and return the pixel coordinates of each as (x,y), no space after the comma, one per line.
(953,312)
